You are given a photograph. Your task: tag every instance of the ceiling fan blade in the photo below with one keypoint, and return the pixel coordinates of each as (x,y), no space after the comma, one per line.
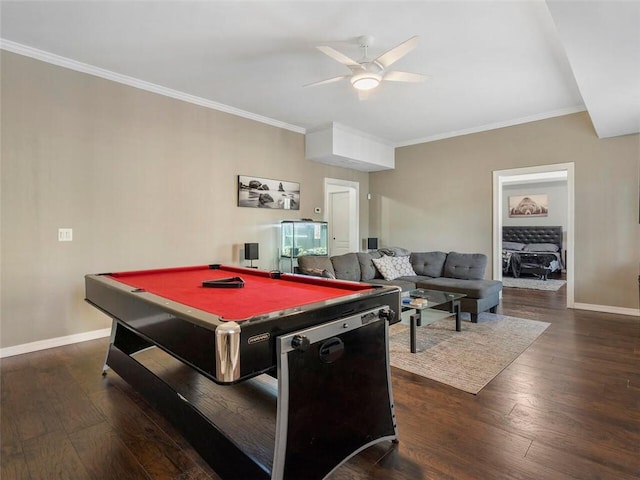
(340,57)
(405,77)
(396,53)
(328,80)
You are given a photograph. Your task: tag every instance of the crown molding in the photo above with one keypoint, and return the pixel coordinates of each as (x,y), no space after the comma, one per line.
(493,126)
(65,62)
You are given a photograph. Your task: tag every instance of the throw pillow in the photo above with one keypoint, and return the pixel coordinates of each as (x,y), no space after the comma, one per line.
(402,266)
(399,252)
(316,272)
(385,267)
(327,274)
(394,251)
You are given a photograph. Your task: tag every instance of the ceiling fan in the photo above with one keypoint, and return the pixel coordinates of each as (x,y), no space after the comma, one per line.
(366,74)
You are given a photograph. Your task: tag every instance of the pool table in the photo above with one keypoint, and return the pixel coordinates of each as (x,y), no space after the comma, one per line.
(326,341)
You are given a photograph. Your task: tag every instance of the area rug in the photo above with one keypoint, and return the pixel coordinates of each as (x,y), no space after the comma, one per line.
(466,360)
(551,285)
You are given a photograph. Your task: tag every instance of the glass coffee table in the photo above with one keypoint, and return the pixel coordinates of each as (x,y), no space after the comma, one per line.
(422,299)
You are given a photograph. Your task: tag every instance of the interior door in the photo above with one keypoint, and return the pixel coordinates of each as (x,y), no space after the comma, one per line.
(339,223)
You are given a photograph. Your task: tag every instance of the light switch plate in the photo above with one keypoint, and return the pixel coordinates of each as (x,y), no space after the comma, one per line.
(65,234)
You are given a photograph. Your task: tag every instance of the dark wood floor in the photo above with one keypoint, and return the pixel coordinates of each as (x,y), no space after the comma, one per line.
(568,407)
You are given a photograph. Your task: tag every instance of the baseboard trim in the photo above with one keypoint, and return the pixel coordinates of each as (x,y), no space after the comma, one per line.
(634,312)
(53,342)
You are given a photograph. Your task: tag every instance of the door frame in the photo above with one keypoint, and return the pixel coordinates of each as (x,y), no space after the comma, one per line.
(499,179)
(335,185)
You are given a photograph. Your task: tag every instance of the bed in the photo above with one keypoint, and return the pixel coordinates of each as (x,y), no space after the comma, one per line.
(535,250)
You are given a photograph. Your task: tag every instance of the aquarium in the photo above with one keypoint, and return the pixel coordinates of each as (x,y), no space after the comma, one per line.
(301,237)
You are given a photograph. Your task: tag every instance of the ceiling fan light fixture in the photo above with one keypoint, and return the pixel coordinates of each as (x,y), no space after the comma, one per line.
(365,81)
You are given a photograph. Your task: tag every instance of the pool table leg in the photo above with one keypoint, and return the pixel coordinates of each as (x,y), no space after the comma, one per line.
(215,447)
(105,366)
(325,389)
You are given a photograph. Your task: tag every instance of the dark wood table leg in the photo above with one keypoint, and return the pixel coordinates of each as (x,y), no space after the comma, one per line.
(415,322)
(455,309)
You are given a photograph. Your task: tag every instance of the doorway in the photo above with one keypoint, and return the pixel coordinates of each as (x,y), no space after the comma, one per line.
(537,174)
(341,206)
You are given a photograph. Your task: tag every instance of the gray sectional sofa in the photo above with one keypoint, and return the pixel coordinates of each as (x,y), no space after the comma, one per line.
(450,272)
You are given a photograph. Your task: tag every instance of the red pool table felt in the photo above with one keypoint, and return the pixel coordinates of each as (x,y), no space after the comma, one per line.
(260,295)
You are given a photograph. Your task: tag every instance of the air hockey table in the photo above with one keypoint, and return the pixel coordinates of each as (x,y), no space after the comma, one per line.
(326,342)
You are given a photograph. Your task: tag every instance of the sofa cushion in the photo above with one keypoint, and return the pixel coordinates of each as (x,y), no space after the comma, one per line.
(405,285)
(414,278)
(386,267)
(312,264)
(465,266)
(346,267)
(367,268)
(428,263)
(471,288)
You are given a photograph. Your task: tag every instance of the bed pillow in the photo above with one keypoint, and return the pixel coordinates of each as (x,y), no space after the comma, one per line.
(541,247)
(513,246)
(386,268)
(403,266)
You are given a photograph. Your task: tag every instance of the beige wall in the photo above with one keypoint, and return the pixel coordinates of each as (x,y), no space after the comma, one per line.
(147,181)
(439,197)
(144,181)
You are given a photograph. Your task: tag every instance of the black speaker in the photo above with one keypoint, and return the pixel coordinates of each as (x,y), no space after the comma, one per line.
(251,251)
(372,243)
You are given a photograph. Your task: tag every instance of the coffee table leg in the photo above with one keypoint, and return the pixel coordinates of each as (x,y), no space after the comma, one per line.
(455,307)
(415,321)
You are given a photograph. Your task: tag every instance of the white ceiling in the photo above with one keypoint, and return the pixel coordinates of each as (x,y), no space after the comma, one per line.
(490,63)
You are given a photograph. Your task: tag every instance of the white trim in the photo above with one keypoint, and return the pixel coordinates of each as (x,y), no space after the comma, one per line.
(493,126)
(634,312)
(354,201)
(71,64)
(54,59)
(53,342)
(499,178)
(554,176)
(352,131)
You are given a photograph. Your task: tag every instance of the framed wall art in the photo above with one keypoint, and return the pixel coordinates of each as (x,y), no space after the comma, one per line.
(257,192)
(528,206)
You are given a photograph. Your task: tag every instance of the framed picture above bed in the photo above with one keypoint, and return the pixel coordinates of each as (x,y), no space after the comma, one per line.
(528,206)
